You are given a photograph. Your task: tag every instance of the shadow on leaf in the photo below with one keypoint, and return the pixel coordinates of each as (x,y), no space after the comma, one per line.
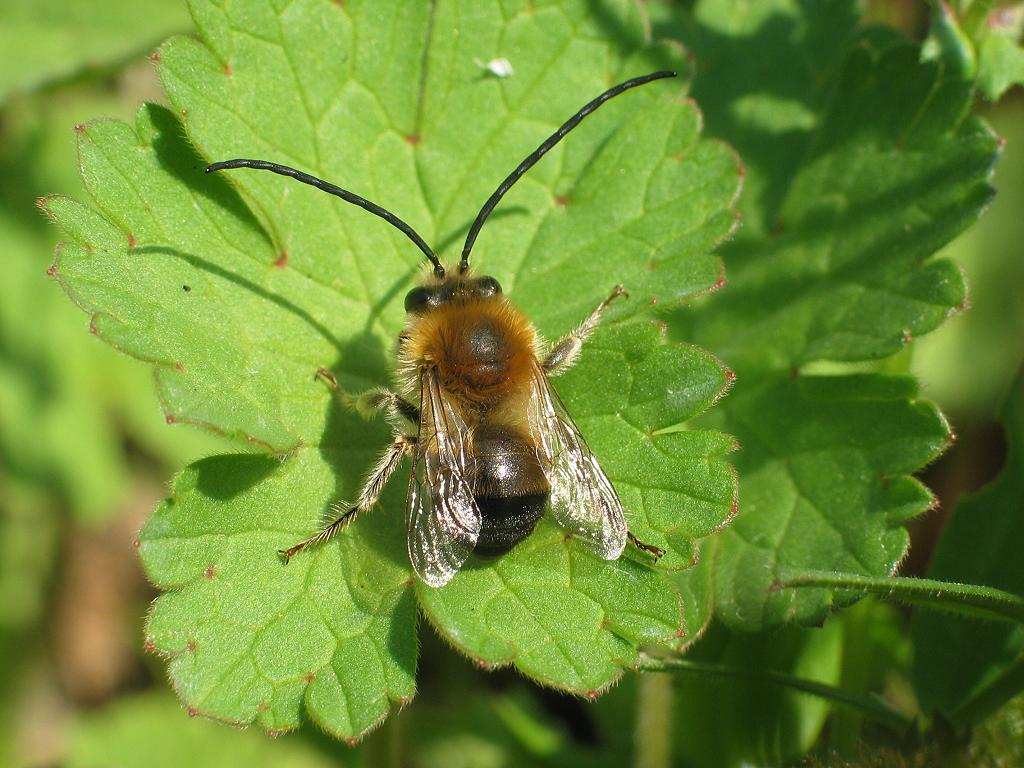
(224,477)
(180,159)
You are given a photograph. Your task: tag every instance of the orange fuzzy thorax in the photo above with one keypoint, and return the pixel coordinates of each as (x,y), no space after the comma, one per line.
(483,349)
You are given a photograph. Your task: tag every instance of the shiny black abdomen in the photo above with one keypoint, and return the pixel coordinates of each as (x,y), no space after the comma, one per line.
(509,487)
(507,521)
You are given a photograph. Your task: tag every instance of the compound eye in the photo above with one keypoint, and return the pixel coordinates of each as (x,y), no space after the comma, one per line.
(417,299)
(488,286)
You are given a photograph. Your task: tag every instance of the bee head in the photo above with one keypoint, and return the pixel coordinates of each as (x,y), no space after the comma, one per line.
(452,287)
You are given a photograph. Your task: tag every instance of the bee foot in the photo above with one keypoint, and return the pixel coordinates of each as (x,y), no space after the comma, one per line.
(326,375)
(617,291)
(656,552)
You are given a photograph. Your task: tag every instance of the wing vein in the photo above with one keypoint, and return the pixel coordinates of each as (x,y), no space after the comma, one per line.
(583,500)
(442,517)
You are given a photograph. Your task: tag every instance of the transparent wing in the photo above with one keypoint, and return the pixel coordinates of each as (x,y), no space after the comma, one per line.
(442,520)
(582,497)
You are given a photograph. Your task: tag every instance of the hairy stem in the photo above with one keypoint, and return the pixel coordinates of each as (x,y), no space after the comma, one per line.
(869,706)
(966,599)
(652,735)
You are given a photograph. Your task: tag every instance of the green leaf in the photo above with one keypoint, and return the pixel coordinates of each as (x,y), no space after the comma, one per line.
(971,365)
(561,614)
(757,717)
(239,288)
(153,731)
(862,162)
(46,40)
(253,639)
(821,483)
(956,657)
(1001,66)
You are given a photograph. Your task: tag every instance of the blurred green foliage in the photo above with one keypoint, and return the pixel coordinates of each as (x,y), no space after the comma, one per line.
(84,444)
(67,401)
(45,42)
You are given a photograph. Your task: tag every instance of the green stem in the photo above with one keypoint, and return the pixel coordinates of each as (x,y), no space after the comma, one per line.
(539,739)
(870,706)
(965,599)
(855,664)
(652,741)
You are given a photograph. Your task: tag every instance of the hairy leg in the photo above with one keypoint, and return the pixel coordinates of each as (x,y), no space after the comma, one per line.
(367,403)
(368,495)
(563,354)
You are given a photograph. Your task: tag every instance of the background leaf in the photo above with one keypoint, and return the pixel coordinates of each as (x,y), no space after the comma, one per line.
(954,657)
(28,539)
(1000,55)
(710,740)
(49,40)
(152,731)
(238,297)
(972,379)
(83,445)
(862,162)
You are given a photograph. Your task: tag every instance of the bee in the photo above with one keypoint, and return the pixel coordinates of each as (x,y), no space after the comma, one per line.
(491,442)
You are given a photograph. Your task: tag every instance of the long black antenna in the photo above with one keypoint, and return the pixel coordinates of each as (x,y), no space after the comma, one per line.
(540,151)
(344,194)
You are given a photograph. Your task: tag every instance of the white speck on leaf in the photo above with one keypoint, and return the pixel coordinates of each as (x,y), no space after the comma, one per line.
(497,67)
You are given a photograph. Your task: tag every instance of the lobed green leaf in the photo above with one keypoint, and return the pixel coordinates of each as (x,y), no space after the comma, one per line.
(250,638)
(562,615)
(239,288)
(863,161)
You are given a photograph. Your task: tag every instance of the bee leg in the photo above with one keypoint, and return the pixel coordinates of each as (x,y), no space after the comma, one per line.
(326,375)
(656,552)
(368,403)
(563,354)
(396,407)
(368,496)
